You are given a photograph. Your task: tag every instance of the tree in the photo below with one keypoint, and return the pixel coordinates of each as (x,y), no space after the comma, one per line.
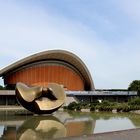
(1,87)
(135,86)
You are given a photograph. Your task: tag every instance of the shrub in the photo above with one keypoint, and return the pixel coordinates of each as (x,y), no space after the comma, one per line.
(135,101)
(72,106)
(65,107)
(1,87)
(105,102)
(97,107)
(92,108)
(84,105)
(134,107)
(123,108)
(119,107)
(78,107)
(94,103)
(126,108)
(101,108)
(106,108)
(109,108)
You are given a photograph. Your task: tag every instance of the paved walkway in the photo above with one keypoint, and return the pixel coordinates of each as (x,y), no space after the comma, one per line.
(11,107)
(132,134)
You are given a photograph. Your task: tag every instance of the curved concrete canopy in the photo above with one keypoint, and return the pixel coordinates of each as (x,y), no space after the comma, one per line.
(59,55)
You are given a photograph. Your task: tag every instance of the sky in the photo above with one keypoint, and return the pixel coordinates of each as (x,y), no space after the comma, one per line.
(105,34)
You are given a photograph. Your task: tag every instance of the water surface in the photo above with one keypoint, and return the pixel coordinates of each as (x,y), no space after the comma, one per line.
(21,125)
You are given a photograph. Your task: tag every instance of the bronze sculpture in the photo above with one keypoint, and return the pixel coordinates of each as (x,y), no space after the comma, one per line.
(40,100)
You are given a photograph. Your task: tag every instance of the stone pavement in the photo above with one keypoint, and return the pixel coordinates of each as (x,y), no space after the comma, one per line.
(132,134)
(11,107)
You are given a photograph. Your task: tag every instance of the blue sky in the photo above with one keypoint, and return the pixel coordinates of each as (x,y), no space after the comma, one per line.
(103,33)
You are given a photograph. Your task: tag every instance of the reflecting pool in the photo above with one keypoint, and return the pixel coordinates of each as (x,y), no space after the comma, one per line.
(22,125)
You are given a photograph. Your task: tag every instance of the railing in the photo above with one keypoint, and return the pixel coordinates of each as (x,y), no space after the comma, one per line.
(91,93)
(102,93)
(7,92)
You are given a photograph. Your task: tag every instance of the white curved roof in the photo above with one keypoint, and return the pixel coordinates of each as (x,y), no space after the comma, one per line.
(59,55)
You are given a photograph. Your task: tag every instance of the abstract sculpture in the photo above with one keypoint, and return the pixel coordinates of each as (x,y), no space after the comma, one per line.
(40,100)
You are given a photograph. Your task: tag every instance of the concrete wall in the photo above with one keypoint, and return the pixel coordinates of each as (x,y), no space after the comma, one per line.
(70,99)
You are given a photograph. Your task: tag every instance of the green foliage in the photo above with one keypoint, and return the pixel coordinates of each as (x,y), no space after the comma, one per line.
(1,87)
(104,108)
(122,107)
(106,103)
(97,107)
(78,107)
(109,108)
(72,106)
(135,101)
(94,103)
(136,107)
(135,86)
(92,108)
(85,105)
(133,104)
(126,108)
(119,108)
(65,107)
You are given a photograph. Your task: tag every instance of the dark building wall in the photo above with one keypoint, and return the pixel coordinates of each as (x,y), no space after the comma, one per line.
(43,74)
(8,100)
(90,99)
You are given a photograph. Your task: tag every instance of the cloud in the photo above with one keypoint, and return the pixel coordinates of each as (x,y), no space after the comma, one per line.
(26,30)
(23,36)
(130,7)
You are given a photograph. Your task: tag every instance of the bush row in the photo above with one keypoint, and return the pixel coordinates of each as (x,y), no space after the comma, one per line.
(106,106)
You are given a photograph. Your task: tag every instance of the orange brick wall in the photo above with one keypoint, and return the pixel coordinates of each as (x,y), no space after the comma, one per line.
(41,75)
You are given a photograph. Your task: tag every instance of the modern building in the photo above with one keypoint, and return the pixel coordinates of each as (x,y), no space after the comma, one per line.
(54,66)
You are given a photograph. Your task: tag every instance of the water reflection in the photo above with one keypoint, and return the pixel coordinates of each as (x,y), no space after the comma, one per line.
(61,124)
(22,126)
(40,128)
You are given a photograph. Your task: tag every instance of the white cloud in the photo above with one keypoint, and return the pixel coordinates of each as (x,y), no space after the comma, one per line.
(130,7)
(25,31)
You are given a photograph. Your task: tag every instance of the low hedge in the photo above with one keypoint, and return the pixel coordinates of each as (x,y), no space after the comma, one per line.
(135,101)
(105,106)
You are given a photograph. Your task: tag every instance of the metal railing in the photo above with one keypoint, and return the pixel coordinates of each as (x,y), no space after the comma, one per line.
(93,93)
(102,93)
